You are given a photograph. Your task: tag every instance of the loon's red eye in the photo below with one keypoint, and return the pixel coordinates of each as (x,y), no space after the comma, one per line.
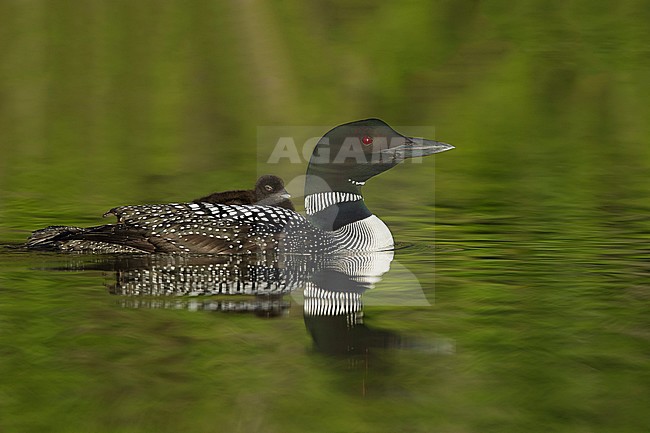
(366,140)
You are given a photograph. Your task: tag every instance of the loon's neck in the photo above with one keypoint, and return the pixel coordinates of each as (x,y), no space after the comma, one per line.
(332,200)
(333,203)
(332,210)
(346,216)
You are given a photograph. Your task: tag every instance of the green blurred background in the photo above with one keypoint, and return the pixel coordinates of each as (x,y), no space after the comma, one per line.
(541,267)
(111,102)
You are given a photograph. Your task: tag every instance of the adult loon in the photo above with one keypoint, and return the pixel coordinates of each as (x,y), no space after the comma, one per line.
(337,218)
(269,190)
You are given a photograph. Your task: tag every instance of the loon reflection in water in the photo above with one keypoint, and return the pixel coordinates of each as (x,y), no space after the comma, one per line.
(332,290)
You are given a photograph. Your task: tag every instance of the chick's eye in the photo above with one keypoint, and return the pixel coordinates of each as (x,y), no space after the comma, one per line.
(269,188)
(366,140)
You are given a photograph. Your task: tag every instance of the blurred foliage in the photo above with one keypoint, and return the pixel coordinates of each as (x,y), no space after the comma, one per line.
(113,102)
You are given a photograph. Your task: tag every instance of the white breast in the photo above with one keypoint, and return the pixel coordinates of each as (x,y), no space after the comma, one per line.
(368,234)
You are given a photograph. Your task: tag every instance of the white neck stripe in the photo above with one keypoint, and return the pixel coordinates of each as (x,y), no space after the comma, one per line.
(319,201)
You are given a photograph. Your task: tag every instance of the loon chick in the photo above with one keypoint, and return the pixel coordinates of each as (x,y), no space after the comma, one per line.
(337,218)
(269,190)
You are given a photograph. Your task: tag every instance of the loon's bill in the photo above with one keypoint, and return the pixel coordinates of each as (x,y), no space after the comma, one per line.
(417,147)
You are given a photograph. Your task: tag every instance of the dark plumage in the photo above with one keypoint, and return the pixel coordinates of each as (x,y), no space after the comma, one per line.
(269,190)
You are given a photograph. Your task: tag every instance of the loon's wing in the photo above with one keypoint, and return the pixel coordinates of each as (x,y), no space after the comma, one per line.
(202,228)
(109,238)
(205,227)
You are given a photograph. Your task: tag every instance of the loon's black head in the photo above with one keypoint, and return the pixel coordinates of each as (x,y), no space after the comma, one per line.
(269,190)
(350,154)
